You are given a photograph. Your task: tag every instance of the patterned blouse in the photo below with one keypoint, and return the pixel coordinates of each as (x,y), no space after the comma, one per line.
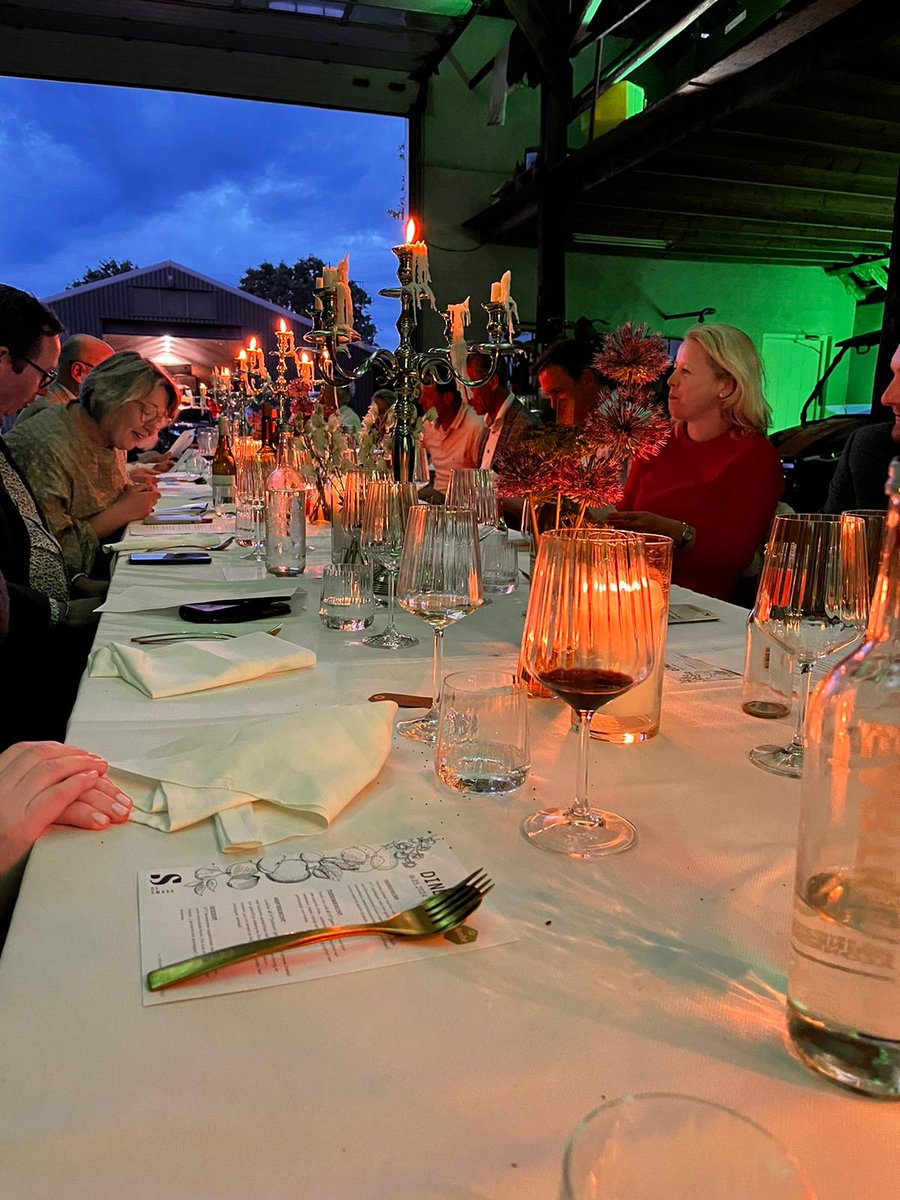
(46,566)
(72,477)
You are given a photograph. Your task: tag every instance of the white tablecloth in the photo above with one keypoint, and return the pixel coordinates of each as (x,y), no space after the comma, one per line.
(455,1078)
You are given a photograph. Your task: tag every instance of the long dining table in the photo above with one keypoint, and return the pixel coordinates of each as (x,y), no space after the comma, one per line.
(453,1076)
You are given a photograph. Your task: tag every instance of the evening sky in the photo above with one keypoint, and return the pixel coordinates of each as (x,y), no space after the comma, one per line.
(215,184)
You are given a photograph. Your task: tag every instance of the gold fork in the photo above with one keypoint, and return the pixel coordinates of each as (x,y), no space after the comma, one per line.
(438,914)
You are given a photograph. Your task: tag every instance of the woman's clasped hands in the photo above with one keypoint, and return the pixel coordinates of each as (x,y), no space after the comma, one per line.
(42,783)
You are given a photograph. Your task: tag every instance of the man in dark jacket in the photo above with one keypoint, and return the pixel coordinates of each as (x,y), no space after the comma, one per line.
(861,473)
(505,417)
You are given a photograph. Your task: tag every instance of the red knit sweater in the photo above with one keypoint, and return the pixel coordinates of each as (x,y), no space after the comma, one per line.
(726,488)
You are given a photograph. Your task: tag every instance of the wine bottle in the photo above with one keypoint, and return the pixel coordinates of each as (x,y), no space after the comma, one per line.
(223,472)
(844,977)
(285,513)
(768,687)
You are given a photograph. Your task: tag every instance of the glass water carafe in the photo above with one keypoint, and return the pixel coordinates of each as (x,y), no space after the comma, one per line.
(844,979)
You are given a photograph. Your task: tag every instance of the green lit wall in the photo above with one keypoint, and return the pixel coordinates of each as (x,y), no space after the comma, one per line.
(464,160)
(758,299)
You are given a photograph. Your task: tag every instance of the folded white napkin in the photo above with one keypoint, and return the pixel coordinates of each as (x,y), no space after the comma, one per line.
(264,780)
(165,541)
(183,667)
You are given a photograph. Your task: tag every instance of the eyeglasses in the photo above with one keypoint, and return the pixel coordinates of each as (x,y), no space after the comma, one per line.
(47,377)
(151,418)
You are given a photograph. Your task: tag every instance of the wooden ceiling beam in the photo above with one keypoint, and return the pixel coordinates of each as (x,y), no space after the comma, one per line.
(661,193)
(608,219)
(772,151)
(830,129)
(735,170)
(265,33)
(787,259)
(814,39)
(852,94)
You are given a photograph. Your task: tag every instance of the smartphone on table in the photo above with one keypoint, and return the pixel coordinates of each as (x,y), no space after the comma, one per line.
(248,608)
(169,557)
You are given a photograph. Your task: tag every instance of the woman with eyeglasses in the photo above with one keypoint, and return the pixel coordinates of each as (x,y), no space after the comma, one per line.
(74,456)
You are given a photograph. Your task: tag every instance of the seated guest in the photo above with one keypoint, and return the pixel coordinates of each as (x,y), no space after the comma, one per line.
(565,373)
(714,486)
(862,471)
(79,355)
(41,784)
(453,439)
(505,417)
(74,456)
(51,616)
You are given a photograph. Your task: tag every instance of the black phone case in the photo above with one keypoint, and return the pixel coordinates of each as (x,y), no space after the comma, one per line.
(228,612)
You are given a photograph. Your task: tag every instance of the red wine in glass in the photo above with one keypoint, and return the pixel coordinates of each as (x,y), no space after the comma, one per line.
(586,688)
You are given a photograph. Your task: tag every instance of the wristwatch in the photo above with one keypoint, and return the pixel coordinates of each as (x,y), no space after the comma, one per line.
(688,533)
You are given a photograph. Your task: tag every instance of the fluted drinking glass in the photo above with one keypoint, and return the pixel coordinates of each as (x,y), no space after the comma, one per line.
(812,600)
(589,637)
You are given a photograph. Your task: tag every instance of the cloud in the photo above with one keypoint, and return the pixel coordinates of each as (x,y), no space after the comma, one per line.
(216,184)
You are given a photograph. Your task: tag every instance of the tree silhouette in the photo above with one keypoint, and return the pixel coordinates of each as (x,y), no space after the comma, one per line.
(107,268)
(294,288)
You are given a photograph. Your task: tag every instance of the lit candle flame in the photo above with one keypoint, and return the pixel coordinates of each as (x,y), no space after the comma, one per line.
(253,343)
(242,356)
(226,371)
(282,326)
(410,230)
(304,357)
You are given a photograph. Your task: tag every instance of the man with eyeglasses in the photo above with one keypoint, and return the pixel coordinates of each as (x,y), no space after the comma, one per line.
(79,355)
(51,617)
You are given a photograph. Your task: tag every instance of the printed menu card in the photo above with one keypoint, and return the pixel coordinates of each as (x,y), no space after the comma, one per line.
(186,911)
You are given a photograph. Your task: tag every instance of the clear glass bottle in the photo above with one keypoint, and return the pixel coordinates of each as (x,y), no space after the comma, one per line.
(285,514)
(223,472)
(844,978)
(768,687)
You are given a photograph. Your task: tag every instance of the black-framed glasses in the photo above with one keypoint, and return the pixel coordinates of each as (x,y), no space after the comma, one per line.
(47,377)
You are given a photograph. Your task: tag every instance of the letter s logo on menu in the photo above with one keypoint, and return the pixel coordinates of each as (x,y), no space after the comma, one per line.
(161,880)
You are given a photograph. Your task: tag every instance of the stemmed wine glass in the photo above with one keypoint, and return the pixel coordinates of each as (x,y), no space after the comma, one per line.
(383,526)
(440,581)
(588,636)
(812,600)
(473,488)
(250,487)
(349,499)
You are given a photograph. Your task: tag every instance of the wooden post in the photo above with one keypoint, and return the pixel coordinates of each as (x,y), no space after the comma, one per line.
(890,327)
(552,230)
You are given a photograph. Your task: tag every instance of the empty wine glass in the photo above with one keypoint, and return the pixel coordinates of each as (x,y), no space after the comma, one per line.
(667,1147)
(383,527)
(440,581)
(250,486)
(873,520)
(473,488)
(588,636)
(812,600)
(348,498)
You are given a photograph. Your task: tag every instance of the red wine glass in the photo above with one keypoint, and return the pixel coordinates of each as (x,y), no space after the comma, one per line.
(588,638)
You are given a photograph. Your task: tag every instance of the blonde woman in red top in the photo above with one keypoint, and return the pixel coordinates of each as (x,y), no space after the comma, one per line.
(714,486)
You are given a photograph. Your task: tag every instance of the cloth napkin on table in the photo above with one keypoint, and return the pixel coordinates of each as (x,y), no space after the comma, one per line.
(166,541)
(263,780)
(149,597)
(190,666)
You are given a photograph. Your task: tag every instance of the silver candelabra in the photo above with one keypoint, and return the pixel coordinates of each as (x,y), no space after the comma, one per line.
(405,369)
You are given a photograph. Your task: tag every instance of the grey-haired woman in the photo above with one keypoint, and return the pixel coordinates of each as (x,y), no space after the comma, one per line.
(73,455)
